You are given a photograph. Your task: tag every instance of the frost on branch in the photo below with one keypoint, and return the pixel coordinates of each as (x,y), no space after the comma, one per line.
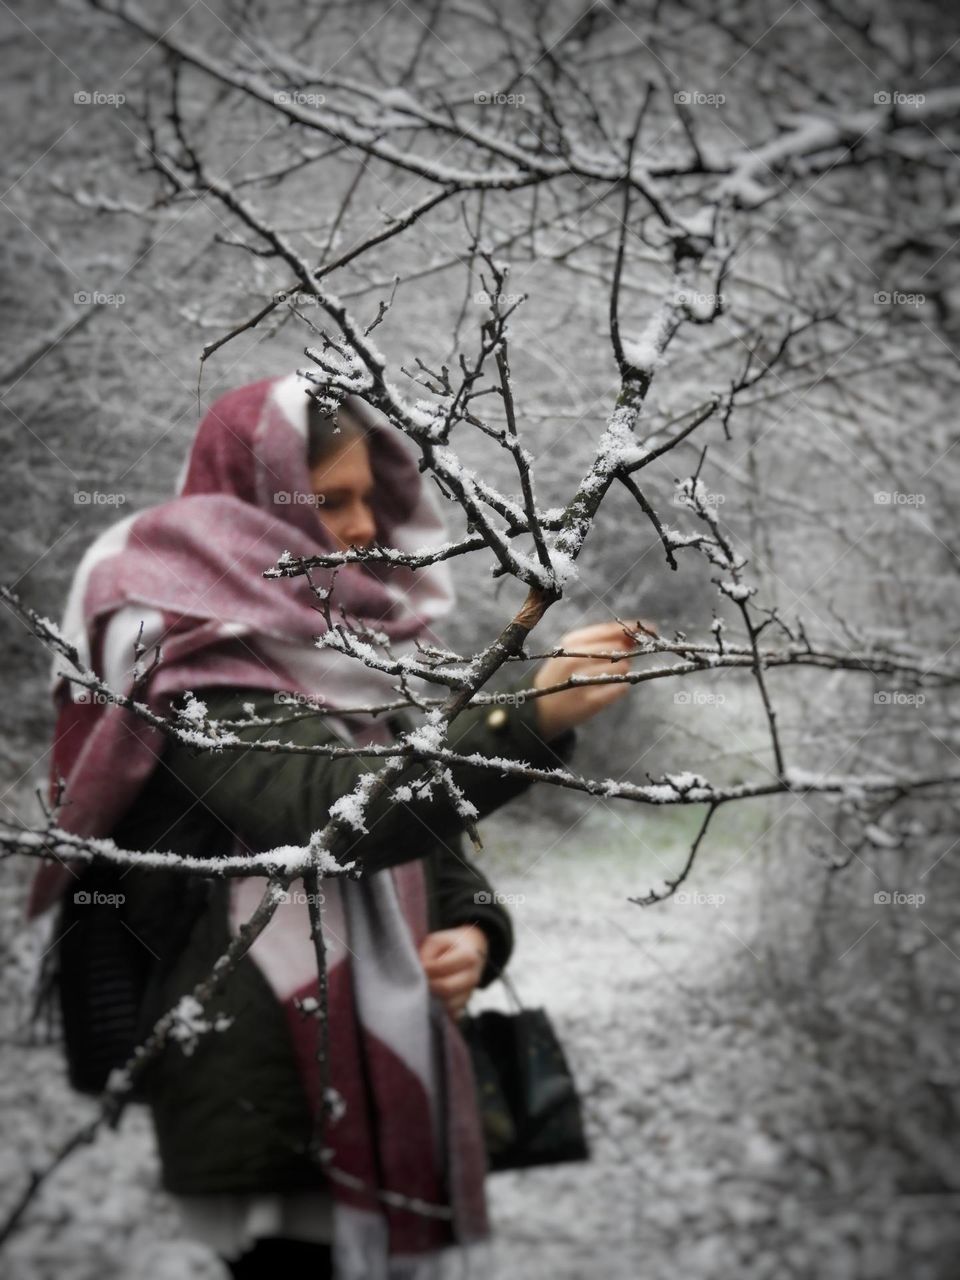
(351,808)
(189,1023)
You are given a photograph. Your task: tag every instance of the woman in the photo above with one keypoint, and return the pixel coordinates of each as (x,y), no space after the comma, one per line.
(235,1103)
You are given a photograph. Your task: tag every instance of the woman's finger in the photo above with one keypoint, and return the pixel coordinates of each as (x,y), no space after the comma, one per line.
(463,973)
(444,944)
(603,639)
(599,666)
(611,627)
(597,633)
(443,975)
(461,984)
(453,984)
(450,960)
(435,947)
(449,966)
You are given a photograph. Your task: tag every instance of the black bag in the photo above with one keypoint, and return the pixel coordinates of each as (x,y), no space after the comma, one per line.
(529,1105)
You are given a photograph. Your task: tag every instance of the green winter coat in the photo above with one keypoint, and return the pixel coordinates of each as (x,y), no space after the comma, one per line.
(232,1115)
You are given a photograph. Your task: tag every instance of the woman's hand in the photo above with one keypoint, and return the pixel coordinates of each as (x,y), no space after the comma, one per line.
(453,960)
(559,711)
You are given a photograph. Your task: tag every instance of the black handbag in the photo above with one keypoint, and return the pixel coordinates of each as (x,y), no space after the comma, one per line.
(529,1105)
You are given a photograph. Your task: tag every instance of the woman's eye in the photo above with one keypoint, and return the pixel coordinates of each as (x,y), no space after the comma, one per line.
(336,504)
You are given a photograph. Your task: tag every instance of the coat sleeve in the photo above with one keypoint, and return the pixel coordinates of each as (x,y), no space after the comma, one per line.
(462,894)
(271,799)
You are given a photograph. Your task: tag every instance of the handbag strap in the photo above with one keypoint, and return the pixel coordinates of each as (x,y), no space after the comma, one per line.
(512,991)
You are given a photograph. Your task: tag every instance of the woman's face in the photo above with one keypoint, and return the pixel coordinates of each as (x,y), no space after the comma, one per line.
(343,481)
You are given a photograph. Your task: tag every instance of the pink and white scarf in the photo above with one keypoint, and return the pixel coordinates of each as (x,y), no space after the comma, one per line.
(190,570)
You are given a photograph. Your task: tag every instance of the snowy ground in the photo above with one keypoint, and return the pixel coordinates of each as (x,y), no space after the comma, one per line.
(699,1103)
(684,1177)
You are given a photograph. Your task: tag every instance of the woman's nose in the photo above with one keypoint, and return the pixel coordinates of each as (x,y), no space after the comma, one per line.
(361,527)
